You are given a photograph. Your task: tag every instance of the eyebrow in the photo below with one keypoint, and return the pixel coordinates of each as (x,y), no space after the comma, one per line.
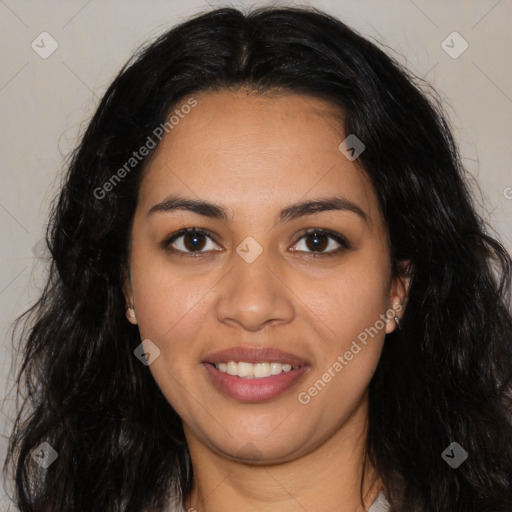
(287,214)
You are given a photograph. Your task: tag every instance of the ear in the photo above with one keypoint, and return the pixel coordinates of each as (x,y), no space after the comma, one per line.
(128,295)
(399,293)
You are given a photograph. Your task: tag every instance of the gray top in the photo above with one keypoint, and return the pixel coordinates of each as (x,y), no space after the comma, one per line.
(379,505)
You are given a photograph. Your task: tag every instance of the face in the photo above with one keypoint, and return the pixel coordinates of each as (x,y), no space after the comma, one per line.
(269,284)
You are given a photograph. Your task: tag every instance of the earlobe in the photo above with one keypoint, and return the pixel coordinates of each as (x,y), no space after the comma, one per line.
(398,296)
(130,314)
(128,295)
(393,316)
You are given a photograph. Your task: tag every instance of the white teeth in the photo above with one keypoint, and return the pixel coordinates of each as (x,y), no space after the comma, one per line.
(276,368)
(253,371)
(261,369)
(232,368)
(245,370)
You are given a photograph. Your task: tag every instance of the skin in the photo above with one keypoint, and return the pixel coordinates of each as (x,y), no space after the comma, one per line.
(255,155)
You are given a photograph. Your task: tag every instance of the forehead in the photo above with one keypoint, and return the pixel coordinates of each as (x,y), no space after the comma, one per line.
(247,151)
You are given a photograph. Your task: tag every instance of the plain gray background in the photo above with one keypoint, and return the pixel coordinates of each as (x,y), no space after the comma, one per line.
(46,102)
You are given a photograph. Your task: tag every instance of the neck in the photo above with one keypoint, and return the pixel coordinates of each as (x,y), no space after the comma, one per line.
(328,478)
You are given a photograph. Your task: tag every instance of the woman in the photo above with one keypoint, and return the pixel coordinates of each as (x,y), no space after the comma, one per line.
(269,290)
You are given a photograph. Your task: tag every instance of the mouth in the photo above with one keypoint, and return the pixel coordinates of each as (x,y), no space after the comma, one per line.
(254,374)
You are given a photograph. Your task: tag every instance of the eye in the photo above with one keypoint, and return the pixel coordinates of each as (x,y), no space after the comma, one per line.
(319,241)
(192,243)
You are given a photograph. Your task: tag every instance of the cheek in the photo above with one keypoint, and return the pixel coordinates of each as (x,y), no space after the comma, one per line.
(171,311)
(349,315)
(351,300)
(170,301)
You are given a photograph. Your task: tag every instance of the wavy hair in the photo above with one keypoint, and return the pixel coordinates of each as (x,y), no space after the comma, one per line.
(445,376)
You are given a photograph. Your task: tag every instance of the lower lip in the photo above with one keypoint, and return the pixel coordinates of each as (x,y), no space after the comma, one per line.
(254,390)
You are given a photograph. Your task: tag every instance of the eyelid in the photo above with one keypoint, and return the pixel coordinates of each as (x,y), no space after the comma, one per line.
(334,235)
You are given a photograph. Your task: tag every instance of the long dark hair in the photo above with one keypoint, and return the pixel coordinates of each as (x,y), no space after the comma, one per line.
(443,377)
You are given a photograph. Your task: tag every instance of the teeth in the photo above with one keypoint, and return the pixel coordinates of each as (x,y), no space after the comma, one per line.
(245,370)
(275,368)
(260,369)
(232,368)
(253,371)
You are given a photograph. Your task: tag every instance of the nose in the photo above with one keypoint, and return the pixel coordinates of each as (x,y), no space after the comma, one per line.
(254,295)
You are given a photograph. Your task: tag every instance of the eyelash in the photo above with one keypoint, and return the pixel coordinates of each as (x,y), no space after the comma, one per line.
(337,237)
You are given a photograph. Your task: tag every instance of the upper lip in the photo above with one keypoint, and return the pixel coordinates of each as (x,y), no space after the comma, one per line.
(254,355)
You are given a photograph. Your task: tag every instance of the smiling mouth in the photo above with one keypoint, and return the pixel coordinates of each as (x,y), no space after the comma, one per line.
(260,385)
(254,374)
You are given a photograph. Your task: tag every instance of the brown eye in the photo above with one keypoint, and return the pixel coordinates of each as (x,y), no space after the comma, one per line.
(193,241)
(188,241)
(318,240)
